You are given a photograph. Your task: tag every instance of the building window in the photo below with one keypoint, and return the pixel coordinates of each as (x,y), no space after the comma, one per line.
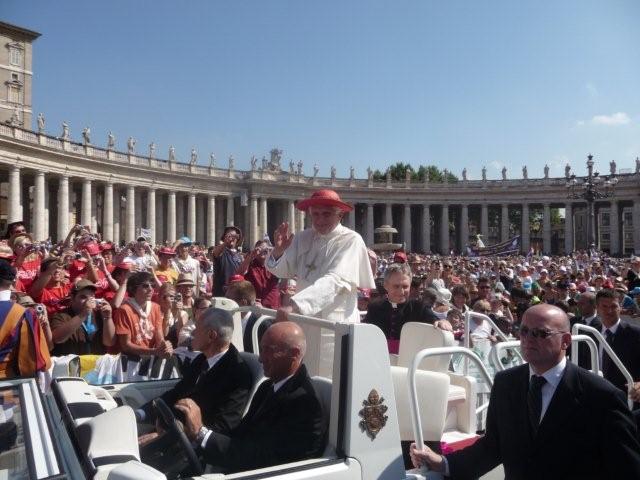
(13,94)
(15,56)
(14,77)
(628,219)
(605,219)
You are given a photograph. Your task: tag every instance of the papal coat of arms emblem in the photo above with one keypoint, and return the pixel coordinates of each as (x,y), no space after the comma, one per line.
(373,414)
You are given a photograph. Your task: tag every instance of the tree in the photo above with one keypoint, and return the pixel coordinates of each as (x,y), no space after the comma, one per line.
(399,171)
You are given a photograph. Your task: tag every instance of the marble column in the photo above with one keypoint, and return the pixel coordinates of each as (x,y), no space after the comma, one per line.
(201,219)
(85,217)
(181,231)
(301,219)
(117,214)
(63,207)
(151,214)
(211,221)
(230,211)
(107,212)
(636,226)
(171,217)
(47,215)
(253,219)
(38,207)
(484,223)
(131,214)
(426,228)
(406,227)
(388,214)
(349,222)
(139,221)
(14,212)
(568,228)
(160,219)
(464,227)
(525,231)
(291,216)
(614,236)
(546,228)
(444,231)
(191,215)
(368,229)
(264,225)
(94,211)
(504,223)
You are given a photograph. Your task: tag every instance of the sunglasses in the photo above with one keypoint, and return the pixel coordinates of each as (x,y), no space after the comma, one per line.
(147,285)
(537,332)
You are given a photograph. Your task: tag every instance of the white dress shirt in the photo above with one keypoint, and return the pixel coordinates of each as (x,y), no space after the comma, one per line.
(553,377)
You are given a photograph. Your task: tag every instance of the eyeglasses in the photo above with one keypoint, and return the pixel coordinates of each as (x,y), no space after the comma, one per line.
(538,332)
(447,267)
(147,285)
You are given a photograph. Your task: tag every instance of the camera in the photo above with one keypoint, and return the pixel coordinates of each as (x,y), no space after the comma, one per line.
(99,301)
(39,308)
(177,297)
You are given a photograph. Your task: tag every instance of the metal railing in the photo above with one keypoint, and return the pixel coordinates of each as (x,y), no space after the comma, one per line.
(413,392)
(612,355)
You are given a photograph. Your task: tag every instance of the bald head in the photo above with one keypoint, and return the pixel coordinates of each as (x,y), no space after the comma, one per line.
(544,336)
(282,349)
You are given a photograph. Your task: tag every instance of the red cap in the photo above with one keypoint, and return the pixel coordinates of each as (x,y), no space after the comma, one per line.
(124,266)
(400,257)
(236,278)
(167,251)
(324,198)
(106,246)
(92,248)
(607,284)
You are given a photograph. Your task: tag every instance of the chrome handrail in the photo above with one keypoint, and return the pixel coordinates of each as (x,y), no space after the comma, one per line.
(413,392)
(593,351)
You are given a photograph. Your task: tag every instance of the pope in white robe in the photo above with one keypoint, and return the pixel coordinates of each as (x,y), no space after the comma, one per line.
(329,262)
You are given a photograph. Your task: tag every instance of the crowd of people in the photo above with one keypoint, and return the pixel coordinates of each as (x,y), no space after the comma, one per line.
(88,295)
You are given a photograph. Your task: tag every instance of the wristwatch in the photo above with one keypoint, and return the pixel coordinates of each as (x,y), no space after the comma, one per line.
(201,434)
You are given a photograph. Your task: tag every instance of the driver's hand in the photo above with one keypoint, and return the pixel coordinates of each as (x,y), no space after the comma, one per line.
(192,417)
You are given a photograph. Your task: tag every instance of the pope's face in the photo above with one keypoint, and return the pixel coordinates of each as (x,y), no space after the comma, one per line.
(324,219)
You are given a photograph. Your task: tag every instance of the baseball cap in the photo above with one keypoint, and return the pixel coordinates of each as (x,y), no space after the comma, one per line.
(82,284)
(167,251)
(400,257)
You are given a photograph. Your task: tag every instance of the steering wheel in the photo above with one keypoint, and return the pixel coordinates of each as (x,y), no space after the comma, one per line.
(176,431)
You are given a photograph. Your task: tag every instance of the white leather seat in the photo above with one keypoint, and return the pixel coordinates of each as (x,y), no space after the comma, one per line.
(323,387)
(257,375)
(416,336)
(83,401)
(432,388)
(228,304)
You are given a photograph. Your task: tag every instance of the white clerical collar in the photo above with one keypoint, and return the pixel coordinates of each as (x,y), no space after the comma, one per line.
(612,328)
(554,374)
(277,385)
(332,233)
(213,360)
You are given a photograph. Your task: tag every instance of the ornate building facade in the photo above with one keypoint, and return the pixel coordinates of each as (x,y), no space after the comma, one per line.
(53,182)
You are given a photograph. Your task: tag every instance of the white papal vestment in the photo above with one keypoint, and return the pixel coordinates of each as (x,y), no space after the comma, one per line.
(328,270)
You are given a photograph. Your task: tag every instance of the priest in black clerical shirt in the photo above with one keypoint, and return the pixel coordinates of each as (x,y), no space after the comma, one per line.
(397,309)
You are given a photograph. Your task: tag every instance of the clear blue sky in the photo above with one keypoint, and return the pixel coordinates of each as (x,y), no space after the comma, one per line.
(450,83)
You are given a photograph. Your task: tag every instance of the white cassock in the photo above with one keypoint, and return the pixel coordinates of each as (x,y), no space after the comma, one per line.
(328,270)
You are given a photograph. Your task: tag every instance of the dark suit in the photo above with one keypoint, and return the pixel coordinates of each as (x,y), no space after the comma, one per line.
(626,345)
(248,329)
(279,428)
(587,432)
(221,393)
(584,355)
(390,321)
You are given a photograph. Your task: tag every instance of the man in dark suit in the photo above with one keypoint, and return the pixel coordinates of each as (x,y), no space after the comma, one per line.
(548,418)
(284,422)
(586,303)
(218,380)
(623,337)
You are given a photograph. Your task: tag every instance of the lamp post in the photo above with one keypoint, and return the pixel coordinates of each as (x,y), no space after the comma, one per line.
(591,188)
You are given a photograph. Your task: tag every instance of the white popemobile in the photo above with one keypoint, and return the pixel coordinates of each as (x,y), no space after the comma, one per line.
(371,403)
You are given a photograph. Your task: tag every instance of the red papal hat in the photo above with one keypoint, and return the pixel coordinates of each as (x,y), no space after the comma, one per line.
(324,198)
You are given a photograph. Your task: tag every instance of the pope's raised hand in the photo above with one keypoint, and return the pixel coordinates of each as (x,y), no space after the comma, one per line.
(282,239)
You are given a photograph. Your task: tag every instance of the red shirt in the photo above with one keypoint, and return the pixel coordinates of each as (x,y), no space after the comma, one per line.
(27,273)
(265,283)
(79,269)
(53,298)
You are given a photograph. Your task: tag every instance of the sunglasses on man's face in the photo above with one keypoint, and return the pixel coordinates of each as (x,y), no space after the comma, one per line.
(537,332)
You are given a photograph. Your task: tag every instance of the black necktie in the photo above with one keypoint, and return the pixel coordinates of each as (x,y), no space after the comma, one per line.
(203,371)
(534,401)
